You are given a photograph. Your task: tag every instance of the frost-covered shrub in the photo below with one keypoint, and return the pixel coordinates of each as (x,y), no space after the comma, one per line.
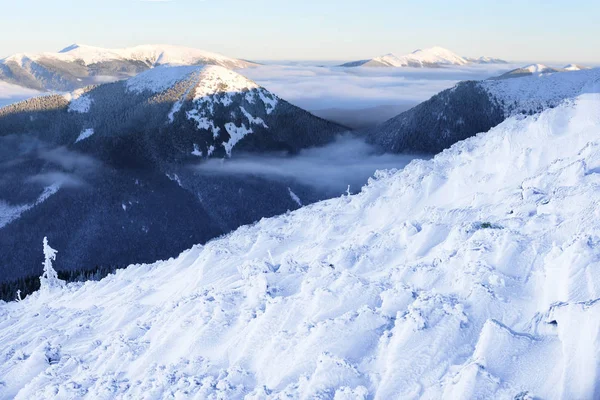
(49,279)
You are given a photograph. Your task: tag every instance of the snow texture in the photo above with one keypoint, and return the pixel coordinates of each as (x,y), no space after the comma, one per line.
(9,212)
(472,275)
(295,197)
(538,92)
(236,134)
(159,79)
(86,133)
(79,102)
(218,85)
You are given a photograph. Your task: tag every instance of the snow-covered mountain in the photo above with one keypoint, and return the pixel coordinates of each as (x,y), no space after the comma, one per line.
(431,58)
(110,171)
(539,69)
(486,60)
(575,67)
(533,69)
(476,106)
(455,278)
(77,65)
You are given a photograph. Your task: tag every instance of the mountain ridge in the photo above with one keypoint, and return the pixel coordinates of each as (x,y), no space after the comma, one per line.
(77,66)
(116,158)
(432,57)
(471,107)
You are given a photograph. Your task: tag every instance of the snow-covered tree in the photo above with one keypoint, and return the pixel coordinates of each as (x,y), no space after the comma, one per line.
(49,278)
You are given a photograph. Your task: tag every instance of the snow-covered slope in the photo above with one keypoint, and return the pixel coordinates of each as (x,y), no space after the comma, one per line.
(473,275)
(476,106)
(79,65)
(431,57)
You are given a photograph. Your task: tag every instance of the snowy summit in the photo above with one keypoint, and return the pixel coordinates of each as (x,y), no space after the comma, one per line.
(425,58)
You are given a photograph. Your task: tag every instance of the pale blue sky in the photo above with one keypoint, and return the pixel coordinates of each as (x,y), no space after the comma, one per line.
(531,30)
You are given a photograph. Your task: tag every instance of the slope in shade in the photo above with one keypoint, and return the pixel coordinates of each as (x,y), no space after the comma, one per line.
(473,275)
(122,158)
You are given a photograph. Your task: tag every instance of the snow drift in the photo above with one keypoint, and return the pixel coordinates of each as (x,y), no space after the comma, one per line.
(471,275)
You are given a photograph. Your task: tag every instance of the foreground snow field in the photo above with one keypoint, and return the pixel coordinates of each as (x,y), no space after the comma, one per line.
(473,275)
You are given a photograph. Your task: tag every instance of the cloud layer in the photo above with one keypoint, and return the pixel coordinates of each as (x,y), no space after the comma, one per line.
(325,87)
(349,161)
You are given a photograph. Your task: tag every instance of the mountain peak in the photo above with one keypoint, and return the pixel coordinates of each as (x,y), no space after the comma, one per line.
(536,68)
(69,48)
(575,67)
(211,79)
(430,57)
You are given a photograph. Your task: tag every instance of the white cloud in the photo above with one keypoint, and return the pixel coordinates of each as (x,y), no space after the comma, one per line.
(317,88)
(349,161)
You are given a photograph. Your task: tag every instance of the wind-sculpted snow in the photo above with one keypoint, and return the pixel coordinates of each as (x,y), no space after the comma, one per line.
(535,93)
(160,79)
(472,275)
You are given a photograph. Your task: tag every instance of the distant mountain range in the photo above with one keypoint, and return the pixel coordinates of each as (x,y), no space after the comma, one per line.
(78,66)
(427,58)
(110,172)
(539,69)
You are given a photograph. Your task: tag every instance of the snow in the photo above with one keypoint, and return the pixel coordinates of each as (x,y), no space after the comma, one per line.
(10,212)
(295,197)
(49,279)
(86,133)
(436,55)
(175,178)
(535,68)
(470,275)
(159,79)
(78,101)
(153,55)
(538,92)
(422,58)
(574,67)
(219,80)
(197,152)
(217,85)
(236,133)
(253,120)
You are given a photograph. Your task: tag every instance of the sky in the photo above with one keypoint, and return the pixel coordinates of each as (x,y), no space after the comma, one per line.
(533,30)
